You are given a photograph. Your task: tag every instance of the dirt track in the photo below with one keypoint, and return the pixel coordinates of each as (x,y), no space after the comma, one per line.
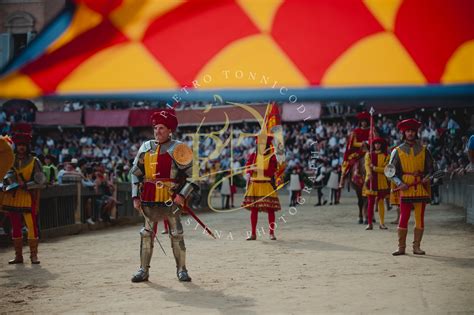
(323,262)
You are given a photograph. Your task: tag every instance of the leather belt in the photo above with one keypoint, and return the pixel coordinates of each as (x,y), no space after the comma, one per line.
(260,181)
(154,181)
(416,174)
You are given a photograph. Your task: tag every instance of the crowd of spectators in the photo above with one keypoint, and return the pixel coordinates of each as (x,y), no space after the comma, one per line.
(443,132)
(70,106)
(100,157)
(7,118)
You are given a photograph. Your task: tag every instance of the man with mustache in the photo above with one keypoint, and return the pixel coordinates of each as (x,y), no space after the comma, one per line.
(161,178)
(414,165)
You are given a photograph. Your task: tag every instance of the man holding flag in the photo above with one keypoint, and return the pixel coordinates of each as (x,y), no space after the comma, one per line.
(354,150)
(264,172)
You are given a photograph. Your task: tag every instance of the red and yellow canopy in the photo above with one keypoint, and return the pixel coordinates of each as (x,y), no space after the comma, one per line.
(266,47)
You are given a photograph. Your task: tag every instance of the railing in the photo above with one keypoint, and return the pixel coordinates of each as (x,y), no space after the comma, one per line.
(60,206)
(62,212)
(459,191)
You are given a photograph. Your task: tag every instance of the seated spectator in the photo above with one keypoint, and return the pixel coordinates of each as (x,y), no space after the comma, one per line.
(49,169)
(122,174)
(105,189)
(89,182)
(68,174)
(470,153)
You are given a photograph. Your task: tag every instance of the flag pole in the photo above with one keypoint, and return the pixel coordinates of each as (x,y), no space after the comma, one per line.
(371,138)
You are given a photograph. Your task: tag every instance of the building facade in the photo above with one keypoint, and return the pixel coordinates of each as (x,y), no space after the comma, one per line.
(21,20)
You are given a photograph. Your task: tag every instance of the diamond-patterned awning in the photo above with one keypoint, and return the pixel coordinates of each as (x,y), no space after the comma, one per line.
(247,48)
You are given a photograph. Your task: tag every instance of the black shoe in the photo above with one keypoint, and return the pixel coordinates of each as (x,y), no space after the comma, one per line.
(183,276)
(140,276)
(361,221)
(373,221)
(325,202)
(317,205)
(251,238)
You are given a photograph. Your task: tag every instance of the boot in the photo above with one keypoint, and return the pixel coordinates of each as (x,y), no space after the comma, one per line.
(183,276)
(141,275)
(18,245)
(402,242)
(416,243)
(146,252)
(252,237)
(179,253)
(34,251)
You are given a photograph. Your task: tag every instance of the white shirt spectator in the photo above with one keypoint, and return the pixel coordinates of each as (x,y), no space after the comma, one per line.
(428,133)
(343,141)
(452,124)
(332,142)
(106,151)
(295,184)
(50,143)
(98,152)
(236,166)
(225,186)
(83,140)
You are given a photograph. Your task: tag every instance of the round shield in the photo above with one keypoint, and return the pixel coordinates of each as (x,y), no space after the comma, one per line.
(182,154)
(389,170)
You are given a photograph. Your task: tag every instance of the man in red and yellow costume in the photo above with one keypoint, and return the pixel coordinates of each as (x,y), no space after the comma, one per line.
(161,179)
(354,148)
(376,185)
(21,196)
(261,195)
(413,164)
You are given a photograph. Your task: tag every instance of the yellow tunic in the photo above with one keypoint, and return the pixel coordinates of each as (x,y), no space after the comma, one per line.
(413,167)
(20,199)
(380,185)
(394,195)
(260,193)
(162,188)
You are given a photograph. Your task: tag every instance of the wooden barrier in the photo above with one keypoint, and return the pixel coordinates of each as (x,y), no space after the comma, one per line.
(64,209)
(459,191)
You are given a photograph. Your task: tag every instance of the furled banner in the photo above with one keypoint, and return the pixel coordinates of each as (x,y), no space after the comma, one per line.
(241,49)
